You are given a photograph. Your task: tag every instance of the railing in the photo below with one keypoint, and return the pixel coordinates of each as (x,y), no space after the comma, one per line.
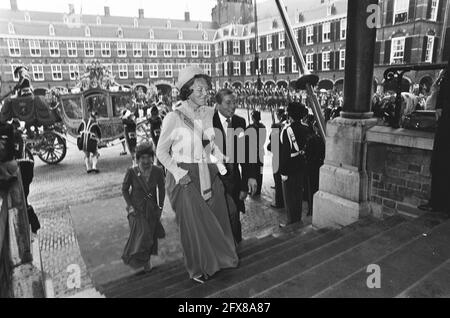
(396,74)
(16,271)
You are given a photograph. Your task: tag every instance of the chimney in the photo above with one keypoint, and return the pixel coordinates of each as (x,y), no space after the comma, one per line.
(14,5)
(107,13)
(141,13)
(71,8)
(187,16)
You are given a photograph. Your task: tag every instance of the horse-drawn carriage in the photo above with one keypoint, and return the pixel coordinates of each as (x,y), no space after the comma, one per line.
(48,119)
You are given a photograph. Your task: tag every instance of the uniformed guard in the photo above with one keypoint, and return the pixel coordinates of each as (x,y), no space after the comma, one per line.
(129,125)
(293,162)
(88,140)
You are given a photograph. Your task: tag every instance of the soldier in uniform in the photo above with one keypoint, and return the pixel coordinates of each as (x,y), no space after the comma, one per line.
(293,162)
(129,125)
(261,133)
(90,135)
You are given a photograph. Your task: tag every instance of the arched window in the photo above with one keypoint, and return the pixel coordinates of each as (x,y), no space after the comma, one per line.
(168,24)
(151,34)
(135,22)
(180,35)
(11,28)
(51,30)
(87,31)
(99,20)
(205,36)
(120,32)
(27,17)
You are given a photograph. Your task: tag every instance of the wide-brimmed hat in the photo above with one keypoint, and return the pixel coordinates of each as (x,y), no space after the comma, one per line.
(188,73)
(18,68)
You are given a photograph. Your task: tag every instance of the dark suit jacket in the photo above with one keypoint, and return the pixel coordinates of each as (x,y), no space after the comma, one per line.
(234,181)
(290,165)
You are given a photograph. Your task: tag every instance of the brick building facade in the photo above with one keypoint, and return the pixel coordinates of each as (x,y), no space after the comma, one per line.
(57,46)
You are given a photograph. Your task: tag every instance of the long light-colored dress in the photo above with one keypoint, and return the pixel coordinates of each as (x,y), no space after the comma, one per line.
(205,230)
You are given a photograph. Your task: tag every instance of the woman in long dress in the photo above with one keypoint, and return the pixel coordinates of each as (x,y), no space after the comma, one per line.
(144,208)
(194,188)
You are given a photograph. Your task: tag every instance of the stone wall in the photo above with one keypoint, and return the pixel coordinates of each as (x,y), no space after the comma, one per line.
(398,166)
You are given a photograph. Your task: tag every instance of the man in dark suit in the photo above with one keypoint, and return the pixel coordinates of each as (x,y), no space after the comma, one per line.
(230,137)
(261,133)
(293,162)
(440,158)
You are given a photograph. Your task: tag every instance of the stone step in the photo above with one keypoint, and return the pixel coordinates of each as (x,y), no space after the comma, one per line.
(171,269)
(434,285)
(272,258)
(305,258)
(401,268)
(339,267)
(268,245)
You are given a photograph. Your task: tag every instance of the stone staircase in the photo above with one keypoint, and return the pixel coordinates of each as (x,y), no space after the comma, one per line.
(413,256)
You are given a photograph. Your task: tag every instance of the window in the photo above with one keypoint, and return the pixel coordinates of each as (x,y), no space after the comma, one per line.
(401,11)
(181,50)
(138,71)
(218,69)
(236,49)
(236,68)
(168,70)
(38,72)
(181,66)
(13,47)
(429,50)
(205,36)
(281,40)
(434,9)
(329,9)
(65,19)
(135,23)
(207,69)
(89,49)
(27,17)
(216,49)
(342,59)
(121,49)
(123,71)
(99,21)
(247,47)
(310,62)
(53,47)
(137,50)
(294,65)
(151,34)
(194,50)
(225,48)
(269,42)
(269,66)
(153,70)
(326,61)
(180,35)
(11,28)
(15,77)
(72,49)
(152,50)
(35,48)
(282,66)
(73,71)
(343,29)
(326,32)
(106,49)
(258,44)
(168,24)
(119,33)
(248,68)
(56,72)
(51,30)
(109,68)
(225,69)
(397,50)
(167,50)
(309,35)
(206,50)
(87,31)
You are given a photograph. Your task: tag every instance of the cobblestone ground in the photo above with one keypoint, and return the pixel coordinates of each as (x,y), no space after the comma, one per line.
(56,188)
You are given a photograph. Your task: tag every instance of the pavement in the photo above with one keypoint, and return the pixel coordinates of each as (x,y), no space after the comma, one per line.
(84,224)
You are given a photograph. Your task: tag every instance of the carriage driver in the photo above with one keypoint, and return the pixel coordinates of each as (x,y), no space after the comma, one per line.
(88,140)
(23,87)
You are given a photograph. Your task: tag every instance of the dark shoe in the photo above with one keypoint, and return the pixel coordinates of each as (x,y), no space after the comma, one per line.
(123,153)
(95,171)
(426,207)
(89,171)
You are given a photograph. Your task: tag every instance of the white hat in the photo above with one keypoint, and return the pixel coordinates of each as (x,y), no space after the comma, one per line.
(188,73)
(126,113)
